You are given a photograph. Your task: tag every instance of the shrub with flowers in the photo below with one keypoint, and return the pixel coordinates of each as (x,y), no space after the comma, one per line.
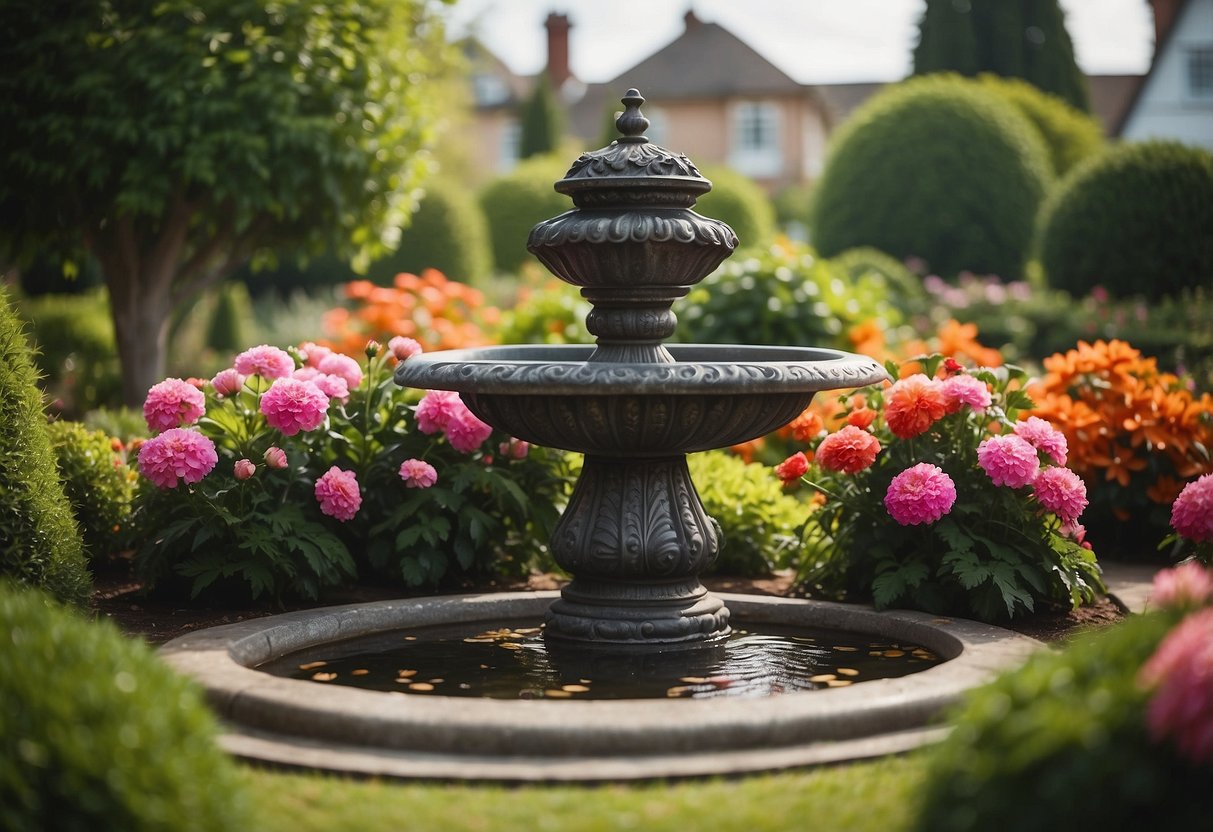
(1135,434)
(934,495)
(292,471)
(1125,714)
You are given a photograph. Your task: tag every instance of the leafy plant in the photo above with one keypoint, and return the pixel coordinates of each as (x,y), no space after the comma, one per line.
(514,203)
(99,484)
(553,313)
(741,203)
(1071,135)
(936,497)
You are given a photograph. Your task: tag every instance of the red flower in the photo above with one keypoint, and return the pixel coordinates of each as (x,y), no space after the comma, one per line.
(792,468)
(914,404)
(850,450)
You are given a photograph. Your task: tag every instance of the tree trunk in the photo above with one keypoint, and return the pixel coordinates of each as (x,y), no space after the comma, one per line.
(141,322)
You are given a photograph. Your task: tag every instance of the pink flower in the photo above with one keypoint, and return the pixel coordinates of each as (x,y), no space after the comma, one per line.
(514,448)
(913,404)
(1181,671)
(336,364)
(227,382)
(275,457)
(265,361)
(173,403)
(417,473)
(338,494)
(964,389)
(292,405)
(334,387)
(313,354)
(920,494)
(792,468)
(243,469)
(404,348)
(1008,460)
(435,409)
(1062,492)
(1188,584)
(1192,511)
(1043,437)
(465,431)
(177,453)
(850,450)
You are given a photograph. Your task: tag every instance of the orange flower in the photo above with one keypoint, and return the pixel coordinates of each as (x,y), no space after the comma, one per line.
(913,404)
(807,425)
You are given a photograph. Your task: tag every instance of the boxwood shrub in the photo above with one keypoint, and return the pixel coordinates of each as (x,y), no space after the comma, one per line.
(1134,220)
(99,485)
(1069,134)
(40,544)
(739,201)
(514,203)
(97,734)
(939,168)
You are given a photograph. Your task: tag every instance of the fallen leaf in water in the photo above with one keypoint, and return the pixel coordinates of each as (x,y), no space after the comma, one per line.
(845,649)
(406,673)
(677,691)
(421,686)
(846,671)
(557,694)
(839,683)
(822,677)
(312,665)
(575,688)
(323,677)
(894,654)
(362,671)
(510,645)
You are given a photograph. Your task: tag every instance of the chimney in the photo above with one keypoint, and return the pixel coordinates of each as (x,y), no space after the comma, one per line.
(1165,12)
(558,49)
(691,20)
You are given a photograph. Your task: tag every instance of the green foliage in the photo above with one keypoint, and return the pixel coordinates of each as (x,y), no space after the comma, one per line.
(40,544)
(542,121)
(1012,38)
(98,483)
(1070,134)
(96,733)
(122,423)
(231,319)
(1066,724)
(448,232)
(785,296)
(550,314)
(758,520)
(995,554)
(935,168)
(1134,220)
(791,206)
(76,358)
(738,201)
(513,204)
(866,263)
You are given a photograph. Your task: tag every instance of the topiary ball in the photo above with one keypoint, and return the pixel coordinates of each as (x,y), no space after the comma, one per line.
(1069,134)
(99,485)
(97,733)
(513,204)
(1134,220)
(741,203)
(937,168)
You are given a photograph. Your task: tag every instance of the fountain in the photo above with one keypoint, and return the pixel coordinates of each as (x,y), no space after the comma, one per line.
(635,538)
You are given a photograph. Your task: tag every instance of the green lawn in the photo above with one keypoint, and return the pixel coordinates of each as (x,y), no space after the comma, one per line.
(873,796)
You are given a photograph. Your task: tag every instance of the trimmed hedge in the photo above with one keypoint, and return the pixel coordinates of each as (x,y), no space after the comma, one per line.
(740,202)
(513,204)
(1069,134)
(938,168)
(99,485)
(40,544)
(97,734)
(76,356)
(1134,220)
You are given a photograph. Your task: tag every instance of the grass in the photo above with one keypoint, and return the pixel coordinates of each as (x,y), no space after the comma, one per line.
(879,795)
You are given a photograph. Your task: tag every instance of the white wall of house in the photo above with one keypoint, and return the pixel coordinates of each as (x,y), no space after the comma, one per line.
(1177,100)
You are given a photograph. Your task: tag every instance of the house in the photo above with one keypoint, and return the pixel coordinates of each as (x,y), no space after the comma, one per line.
(1175,98)
(711,96)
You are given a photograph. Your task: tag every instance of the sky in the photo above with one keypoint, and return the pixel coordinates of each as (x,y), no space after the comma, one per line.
(813,41)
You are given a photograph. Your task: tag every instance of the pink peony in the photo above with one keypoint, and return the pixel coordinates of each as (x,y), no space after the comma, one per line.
(336,364)
(1043,437)
(920,494)
(465,431)
(227,382)
(177,453)
(792,468)
(514,449)
(338,494)
(1192,511)
(275,457)
(335,387)
(1008,460)
(292,405)
(171,404)
(265,361)
(963,390)
(850,450)
(913,404)
(435,409)
(1188,584)
(1181,672)
(1062,492)
(243,469)
(404,348)
(417,473)
(313,354)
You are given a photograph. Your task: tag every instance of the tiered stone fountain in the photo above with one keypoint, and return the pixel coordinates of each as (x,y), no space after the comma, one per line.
(635,537)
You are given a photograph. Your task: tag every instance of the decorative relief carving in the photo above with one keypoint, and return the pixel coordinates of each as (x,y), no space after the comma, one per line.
(626,159)
(615,227)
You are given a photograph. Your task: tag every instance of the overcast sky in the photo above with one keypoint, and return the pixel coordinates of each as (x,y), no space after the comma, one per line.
(813,41)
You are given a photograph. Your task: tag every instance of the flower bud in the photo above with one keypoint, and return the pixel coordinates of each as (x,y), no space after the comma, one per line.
(227,382)
(403,348)
(372,348)
(275,457)
(243,469)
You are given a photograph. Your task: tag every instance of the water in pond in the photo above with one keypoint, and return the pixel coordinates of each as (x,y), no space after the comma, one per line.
(515,662)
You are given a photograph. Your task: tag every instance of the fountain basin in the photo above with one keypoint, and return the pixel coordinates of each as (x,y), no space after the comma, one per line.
(306,724)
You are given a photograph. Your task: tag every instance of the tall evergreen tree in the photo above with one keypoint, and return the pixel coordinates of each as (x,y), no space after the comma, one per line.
(542,121)
(1013,38)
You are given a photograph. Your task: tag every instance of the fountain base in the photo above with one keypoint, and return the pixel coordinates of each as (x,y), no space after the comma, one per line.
(610,613)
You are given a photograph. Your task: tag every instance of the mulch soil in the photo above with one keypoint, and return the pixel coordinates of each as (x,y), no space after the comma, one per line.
(122,599)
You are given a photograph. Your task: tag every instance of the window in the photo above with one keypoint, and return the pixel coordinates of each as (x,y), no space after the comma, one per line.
(1200,72)
(755,140)
(511,145)
(489,90)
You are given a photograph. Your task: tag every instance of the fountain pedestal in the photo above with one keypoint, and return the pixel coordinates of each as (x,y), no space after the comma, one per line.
(635,535)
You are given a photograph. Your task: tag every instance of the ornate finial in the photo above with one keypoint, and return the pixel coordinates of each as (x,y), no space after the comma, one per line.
(632,123)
